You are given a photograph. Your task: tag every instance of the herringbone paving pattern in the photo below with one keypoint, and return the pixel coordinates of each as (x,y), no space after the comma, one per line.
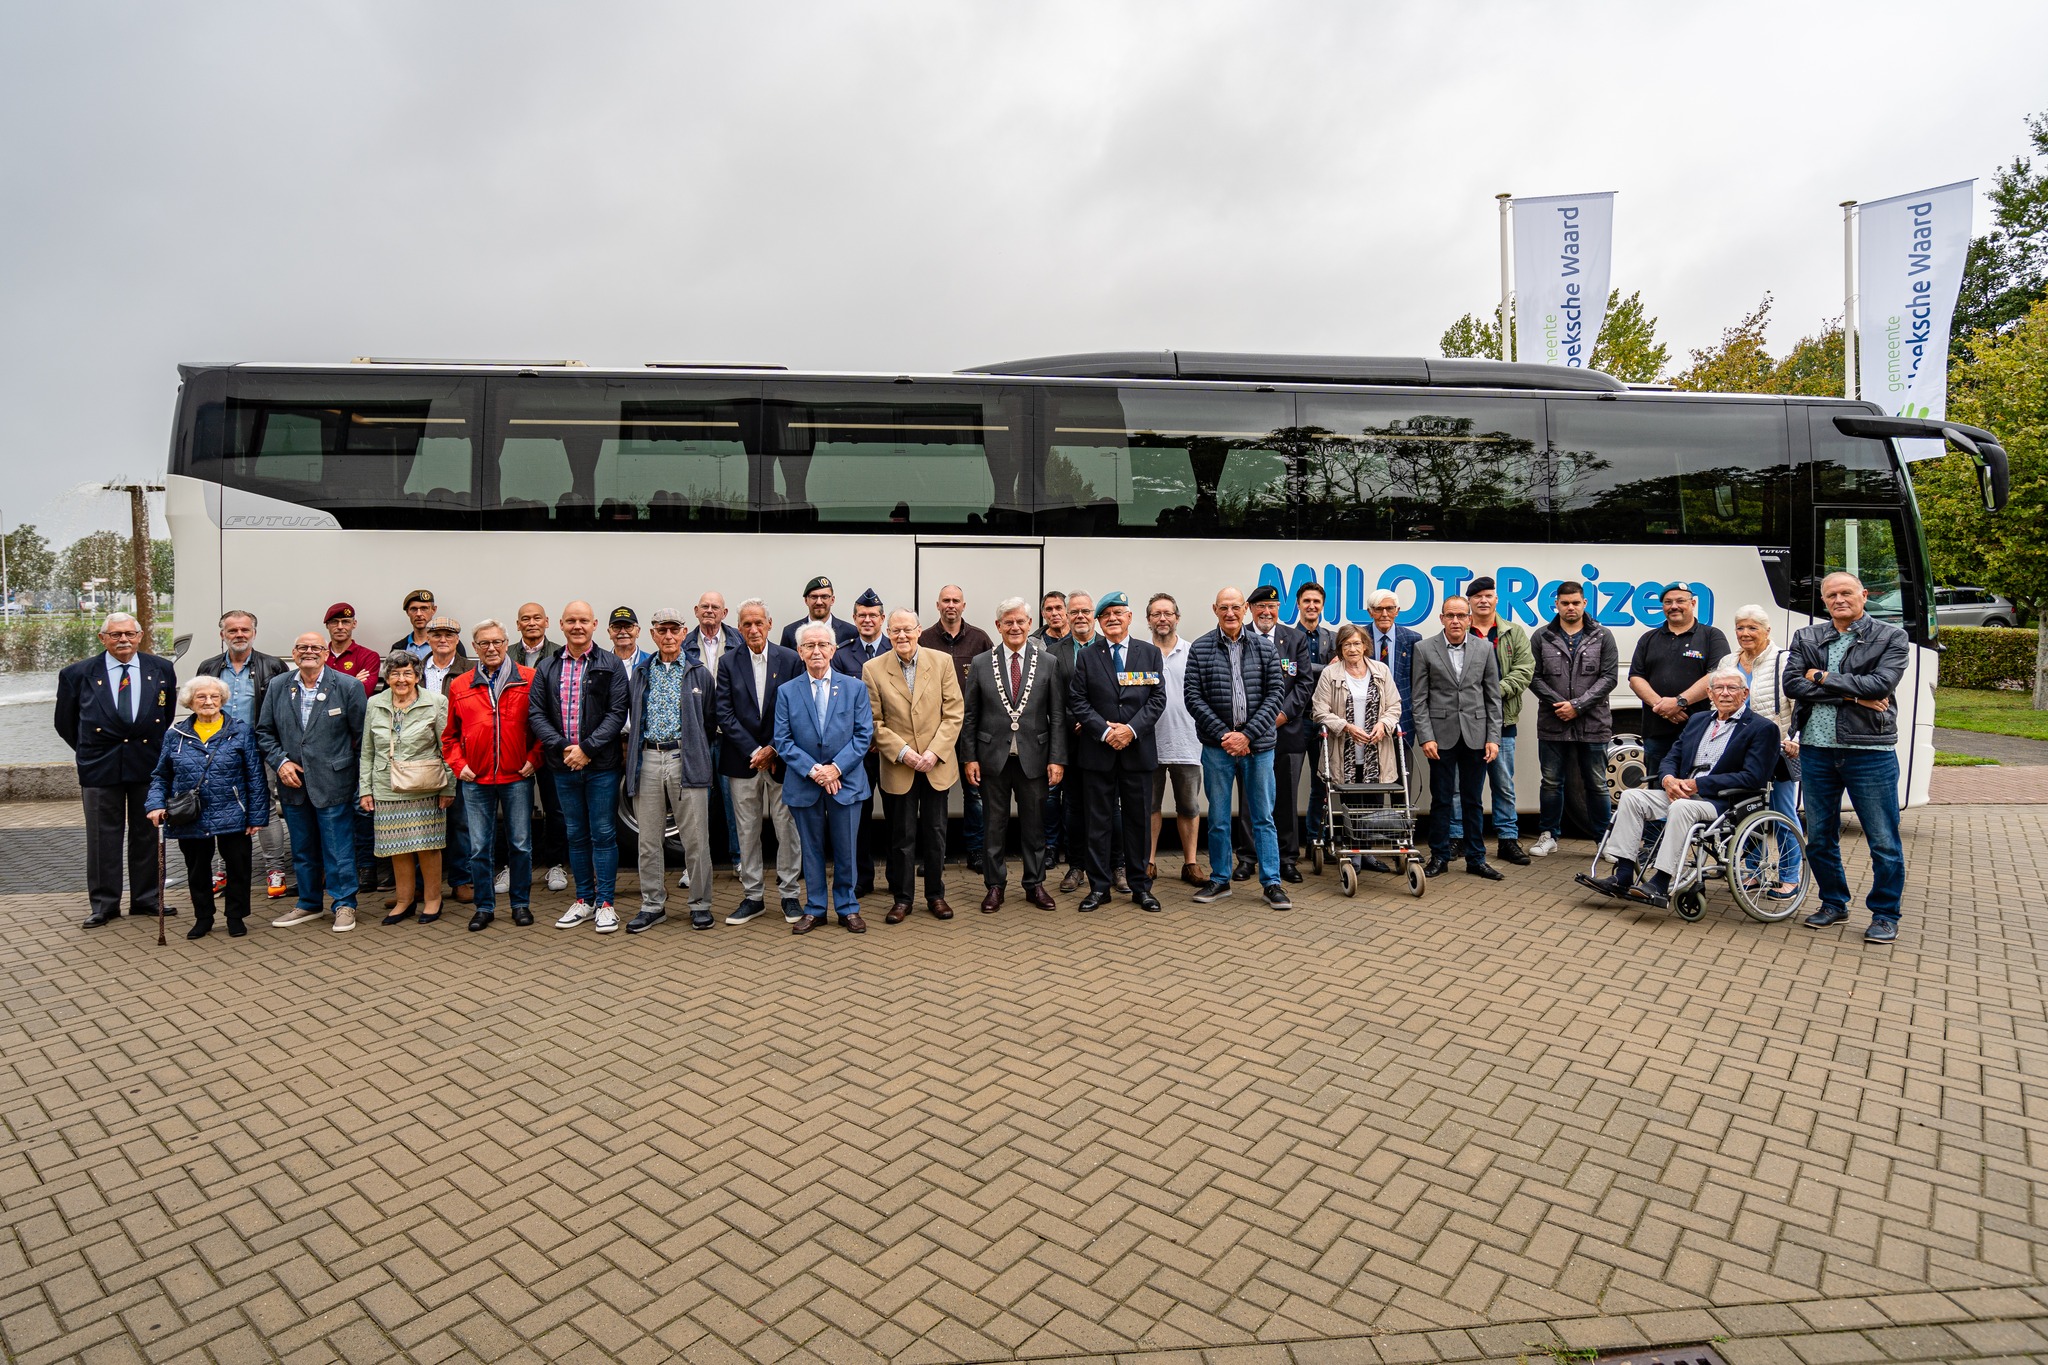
(1382,1129)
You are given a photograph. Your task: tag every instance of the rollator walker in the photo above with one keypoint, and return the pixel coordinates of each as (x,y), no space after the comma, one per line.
(1745,846)
(1364,819)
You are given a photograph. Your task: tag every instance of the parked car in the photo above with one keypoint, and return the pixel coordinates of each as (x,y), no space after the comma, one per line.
(1972,607)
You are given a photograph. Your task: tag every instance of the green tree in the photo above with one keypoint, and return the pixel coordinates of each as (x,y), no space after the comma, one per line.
(103,554)
(2001,385)
(30,560)
(1628,347)
(2006,272)
(1472,337)
(1813,367)
(161,567)
(1739,364)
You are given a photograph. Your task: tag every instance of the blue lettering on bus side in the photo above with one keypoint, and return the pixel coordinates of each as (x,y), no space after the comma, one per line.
(1523,596)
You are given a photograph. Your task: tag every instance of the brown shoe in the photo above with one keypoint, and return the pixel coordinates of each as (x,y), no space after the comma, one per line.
(1122,881)
(939,909)
(806,924)
(992,901)
(466,894)
(898,913)
(1040,897)
(855,924)
(1192,875)
(1071,880)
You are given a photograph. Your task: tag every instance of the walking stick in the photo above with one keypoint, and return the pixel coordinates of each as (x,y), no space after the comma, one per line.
(161,877)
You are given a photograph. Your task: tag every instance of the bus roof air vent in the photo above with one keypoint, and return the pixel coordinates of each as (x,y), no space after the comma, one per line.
(520,364)
(1256,368)
(709,365)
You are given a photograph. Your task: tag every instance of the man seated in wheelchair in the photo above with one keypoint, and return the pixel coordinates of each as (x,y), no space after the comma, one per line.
(1727,749)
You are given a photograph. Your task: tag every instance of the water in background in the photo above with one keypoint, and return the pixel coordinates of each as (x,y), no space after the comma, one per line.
(27,702)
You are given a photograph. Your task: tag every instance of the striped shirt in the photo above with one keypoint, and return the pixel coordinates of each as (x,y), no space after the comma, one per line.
(573,670)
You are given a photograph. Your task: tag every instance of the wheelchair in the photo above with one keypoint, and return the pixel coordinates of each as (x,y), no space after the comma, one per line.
(1745,846)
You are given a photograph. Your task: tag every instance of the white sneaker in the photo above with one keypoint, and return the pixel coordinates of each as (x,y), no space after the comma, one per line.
(295,915)
(683,880)
(574,916)
(502,883)
(1545,845)
(344,919)
(558,880)
(607,919)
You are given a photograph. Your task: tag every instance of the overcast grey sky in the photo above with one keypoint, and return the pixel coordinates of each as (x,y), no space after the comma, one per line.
(882,186)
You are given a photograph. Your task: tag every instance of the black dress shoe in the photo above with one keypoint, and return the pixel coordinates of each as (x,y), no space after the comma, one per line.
(645,920)
(200,929)
(1122,881)
(397,916)
(1373,863)
(522,916)
(237,929)
(1606,886)
(1244,870)
(1825,916)
(1436,867)
(1094,900)
(1290,871)
(1647,895)
(1146,901)
(1511,851)
(480,920)
(1478,867)
(95,921)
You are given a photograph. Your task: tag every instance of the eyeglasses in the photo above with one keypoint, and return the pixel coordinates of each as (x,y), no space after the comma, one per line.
(665,628)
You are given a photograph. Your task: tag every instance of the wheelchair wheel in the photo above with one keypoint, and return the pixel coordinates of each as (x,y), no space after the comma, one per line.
(1758,852)
(1689,904)
(1348,875)
(1417,883)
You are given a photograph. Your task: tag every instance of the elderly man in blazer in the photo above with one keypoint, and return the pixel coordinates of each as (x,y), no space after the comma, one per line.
(1115,698)
(311,733)
(1455,701)
(748,679)
(1016,740)
(113,710)
(914,693)
(823,725)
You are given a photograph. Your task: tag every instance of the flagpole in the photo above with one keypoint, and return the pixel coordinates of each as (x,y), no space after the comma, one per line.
(1849,298)
(1506,202)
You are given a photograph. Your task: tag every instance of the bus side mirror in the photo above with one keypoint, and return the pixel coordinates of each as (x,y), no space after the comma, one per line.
(1994,471)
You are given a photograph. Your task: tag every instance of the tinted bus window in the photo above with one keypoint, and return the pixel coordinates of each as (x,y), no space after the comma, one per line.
(1853,467)
(1644,469)
(374,452)
(881,456)
(620,454)
(1422,467)
(1180,462)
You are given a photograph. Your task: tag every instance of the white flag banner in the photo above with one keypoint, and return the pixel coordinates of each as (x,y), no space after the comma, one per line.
(1910,252)
(1564,249)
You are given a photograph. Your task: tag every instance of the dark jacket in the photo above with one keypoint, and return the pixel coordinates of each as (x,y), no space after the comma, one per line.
(963,649)
(699,733)
(1402,666)
(1298,668)
(746,722)
(842,631)
(112,749)
(1873,668)
(1043,730)
(1584,680)
(490,736)
(327,748)
(548,650)
(1095,697)
(1745,765)
(1208,689)
(729,639)
(227,772)
(262,667)
(603,709)
(853,657)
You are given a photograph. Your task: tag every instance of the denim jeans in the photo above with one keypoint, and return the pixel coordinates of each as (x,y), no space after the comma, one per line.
(1220,773)
(1871,778)
(323,853)
(481,806)
(455,862)
(590,801)
(1785,801)
(1591,757)
(1500,777)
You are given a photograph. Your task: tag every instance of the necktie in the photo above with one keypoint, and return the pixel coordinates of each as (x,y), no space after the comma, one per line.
(125,702)
(820,693)
(1016,677)
(1116,653)
(1383,649)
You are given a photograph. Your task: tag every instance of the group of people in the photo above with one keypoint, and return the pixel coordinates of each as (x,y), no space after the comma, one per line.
(441,766)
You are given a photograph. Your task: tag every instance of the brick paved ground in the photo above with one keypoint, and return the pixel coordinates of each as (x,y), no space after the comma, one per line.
(1471,1127)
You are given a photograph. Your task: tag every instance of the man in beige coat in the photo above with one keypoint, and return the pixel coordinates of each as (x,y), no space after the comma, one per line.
(915,693)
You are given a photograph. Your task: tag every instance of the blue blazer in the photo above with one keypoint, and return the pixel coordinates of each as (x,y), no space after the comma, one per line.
(844,632)
(1746,764)
(1405,641)
(844,739)
(112,749)
(745,721)
(693,643)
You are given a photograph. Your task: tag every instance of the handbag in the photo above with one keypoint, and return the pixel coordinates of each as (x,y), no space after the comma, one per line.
(183,808)
(414,776)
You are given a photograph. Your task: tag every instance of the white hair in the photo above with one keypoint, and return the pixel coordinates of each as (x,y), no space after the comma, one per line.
(1752,612)
(488,623)
(766,615)
(812,629)
(185,693)
(1727,671)
(1010,604)
(1379,595)
(108,624)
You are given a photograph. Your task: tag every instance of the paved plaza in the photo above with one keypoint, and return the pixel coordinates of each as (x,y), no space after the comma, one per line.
(1500,1122)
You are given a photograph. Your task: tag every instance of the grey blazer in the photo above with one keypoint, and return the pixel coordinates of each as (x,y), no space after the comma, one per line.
(327,748)
(1450,710)
(1042,735)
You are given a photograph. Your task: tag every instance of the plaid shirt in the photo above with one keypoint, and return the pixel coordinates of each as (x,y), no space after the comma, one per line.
(573,670)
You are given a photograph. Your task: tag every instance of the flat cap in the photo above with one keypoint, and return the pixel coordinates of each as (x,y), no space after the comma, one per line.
(447,623)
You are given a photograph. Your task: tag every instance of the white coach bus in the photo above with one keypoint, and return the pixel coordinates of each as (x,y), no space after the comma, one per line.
(293,486)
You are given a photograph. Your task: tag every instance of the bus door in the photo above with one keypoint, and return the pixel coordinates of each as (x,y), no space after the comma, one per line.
(1870,542)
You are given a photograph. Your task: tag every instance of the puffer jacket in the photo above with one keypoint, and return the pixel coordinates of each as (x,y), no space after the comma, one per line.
(1584,680)
(1266,688)
(1872,668)
(228,772)
(418,732)
(490,735)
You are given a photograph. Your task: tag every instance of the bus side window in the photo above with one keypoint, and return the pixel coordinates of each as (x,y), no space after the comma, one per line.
(1416,466)
(1638,469)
